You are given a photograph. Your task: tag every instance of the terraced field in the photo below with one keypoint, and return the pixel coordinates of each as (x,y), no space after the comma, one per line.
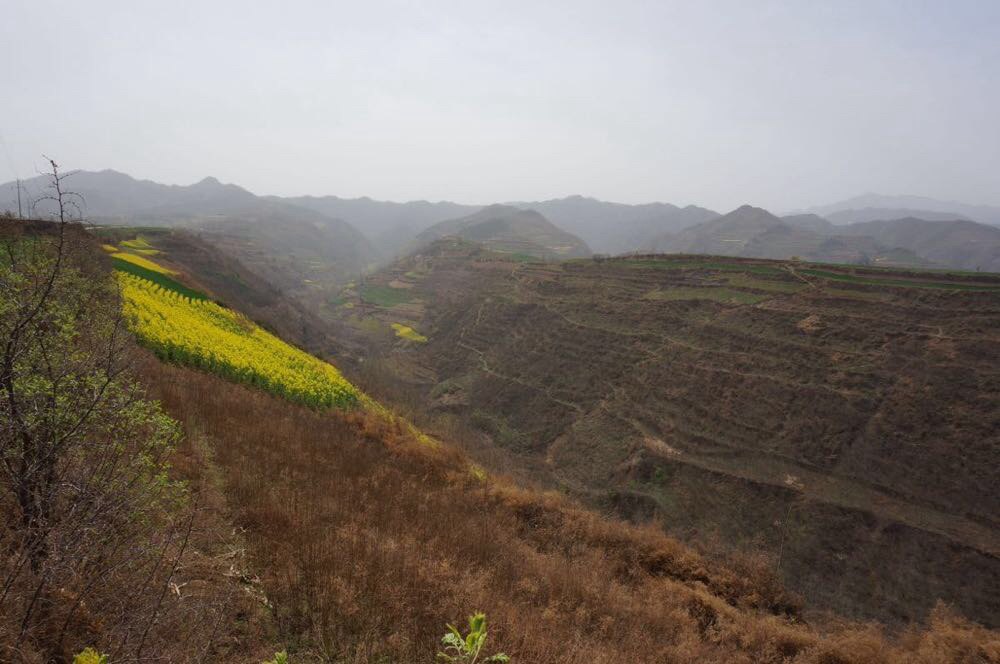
(844,420)
(182,325)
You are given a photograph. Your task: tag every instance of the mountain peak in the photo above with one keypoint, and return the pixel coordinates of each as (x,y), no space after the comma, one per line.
(750,208)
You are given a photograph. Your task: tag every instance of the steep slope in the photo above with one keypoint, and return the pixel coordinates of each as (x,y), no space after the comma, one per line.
(901,206)
(614,228)
(962,244)
(293,313)
(509,229)
(845,421)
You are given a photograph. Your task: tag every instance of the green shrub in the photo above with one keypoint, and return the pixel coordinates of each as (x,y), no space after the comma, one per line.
(279,658)
(466,650)
(90,656)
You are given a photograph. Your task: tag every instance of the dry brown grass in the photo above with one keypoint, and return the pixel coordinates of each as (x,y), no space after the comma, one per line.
(367,542)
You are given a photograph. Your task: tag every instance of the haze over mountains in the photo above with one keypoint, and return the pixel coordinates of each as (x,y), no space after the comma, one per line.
(346,236)
(872,207)
(616,228)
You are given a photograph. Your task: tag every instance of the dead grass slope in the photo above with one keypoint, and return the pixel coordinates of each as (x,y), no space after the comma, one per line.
(367,541)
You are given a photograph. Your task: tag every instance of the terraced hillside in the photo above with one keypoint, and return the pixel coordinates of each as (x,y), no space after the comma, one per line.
(845,420)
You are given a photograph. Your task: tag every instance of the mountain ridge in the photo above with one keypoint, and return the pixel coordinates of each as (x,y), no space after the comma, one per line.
(754,232)
(509,229)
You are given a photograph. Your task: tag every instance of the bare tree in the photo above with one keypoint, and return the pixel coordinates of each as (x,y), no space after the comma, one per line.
(83,488)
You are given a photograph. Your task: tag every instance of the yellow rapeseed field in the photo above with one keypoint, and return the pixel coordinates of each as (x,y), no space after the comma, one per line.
(142,262)
(407,332)
(203,334)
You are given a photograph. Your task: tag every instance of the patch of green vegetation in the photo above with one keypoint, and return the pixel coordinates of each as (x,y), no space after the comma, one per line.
(157,278)
(519,257)
(448,386)
(711,293)
(368,324)
(385,296)
(90,656)
(407,332)
(686,264)
(869,295)
(872,280)
(770,285)
(139,245)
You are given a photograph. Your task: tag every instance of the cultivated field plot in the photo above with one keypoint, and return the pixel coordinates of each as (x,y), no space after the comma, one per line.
(182,325)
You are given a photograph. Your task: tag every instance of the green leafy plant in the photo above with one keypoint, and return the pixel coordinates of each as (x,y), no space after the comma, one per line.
(467,649)
(279,658)
(90,656)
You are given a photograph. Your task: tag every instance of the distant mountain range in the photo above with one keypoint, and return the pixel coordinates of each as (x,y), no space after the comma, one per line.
(251,226)
(963,244)
(615,228)
(754,232)
(389,226)
(511,230)
(329,237)
(875,207)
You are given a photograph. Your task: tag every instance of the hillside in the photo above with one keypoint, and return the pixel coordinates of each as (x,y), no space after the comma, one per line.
(754,232)
(935,237)
(844,420)
(852,216)
(615,228)
(605,226)
(389,226)
(508,229)
(810,222)
(962,244)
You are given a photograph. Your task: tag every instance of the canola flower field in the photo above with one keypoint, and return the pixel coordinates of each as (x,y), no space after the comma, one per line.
(200,333)
(407,332)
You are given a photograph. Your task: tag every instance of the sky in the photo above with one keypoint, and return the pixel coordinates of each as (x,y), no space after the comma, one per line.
(776,104)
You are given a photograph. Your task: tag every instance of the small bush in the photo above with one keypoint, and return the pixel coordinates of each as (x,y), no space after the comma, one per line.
(468,648)
(90,656)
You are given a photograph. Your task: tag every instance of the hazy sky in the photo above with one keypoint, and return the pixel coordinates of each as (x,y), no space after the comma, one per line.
(779,104)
